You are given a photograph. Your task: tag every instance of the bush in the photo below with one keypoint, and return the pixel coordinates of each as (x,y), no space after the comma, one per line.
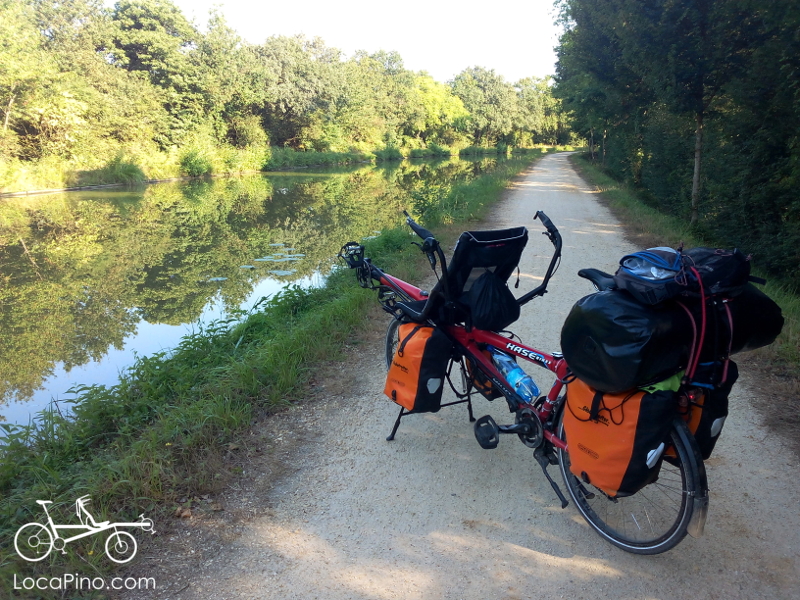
(439,150)
(388,154)
(244,132)
(195,162)
(477,151)
(419,153)
(287,158)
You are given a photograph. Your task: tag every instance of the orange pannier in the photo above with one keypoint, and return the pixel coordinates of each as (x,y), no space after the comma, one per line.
(416,378)
(616,441)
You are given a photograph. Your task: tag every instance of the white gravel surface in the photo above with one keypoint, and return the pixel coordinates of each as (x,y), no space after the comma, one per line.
(432,515)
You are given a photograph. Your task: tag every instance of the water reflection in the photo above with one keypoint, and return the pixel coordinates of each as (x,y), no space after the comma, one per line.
(88,280)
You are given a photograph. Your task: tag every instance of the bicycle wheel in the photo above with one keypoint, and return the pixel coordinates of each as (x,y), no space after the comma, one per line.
(659,515)
(33,542)
(121,547)
(392,339)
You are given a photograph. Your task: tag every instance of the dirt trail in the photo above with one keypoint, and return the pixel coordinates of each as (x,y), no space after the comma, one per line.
(431,515)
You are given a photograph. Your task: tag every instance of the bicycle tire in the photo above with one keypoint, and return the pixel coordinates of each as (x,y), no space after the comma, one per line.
(28,549)
(123,548)
(392,340)
(658,516)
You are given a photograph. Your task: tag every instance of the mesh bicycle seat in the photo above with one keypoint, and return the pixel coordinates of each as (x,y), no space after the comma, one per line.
(476,252)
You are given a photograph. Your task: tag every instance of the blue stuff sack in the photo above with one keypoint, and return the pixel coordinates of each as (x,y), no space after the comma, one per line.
(652,276)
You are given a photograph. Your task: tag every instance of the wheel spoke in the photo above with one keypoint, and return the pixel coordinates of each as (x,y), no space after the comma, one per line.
(648,522)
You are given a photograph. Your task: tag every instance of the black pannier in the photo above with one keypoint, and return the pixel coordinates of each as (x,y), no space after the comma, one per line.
(705,404)
(615,343)
(757,319)
(477,274)
(747,321)
(721,271)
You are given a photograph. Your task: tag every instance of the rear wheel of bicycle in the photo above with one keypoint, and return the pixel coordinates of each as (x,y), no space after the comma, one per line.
(33,542)
(392,340)
(657,517)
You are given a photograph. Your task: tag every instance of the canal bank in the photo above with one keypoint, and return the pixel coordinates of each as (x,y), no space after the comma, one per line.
(169,429)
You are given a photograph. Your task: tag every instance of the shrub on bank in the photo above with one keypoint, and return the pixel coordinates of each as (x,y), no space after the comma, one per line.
(287,158)
(131,165)
(388,154)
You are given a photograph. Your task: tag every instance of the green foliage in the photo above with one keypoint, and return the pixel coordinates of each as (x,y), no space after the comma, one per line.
(491,102)
(483,150)
(118,170)
(286,158)
(388,154)
(694,104)
(439,150)
(245,131)
(80,83)
(194,162)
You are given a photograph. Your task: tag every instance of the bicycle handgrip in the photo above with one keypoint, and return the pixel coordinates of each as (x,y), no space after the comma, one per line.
(418,229)
(548,224)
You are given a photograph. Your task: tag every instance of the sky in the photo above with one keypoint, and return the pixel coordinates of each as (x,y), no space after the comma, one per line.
(515,38)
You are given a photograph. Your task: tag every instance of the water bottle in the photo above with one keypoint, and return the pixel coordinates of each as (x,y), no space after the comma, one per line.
(520,381)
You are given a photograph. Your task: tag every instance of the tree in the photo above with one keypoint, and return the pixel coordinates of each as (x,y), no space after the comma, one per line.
(24,65)
(688,50)
(491,102)
(438,111)
(233,83)
(540,113)
(152,37)
(301,86)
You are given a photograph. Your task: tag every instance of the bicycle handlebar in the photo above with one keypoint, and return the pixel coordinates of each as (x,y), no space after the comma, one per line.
(548,224)
(429,242)
(555,238)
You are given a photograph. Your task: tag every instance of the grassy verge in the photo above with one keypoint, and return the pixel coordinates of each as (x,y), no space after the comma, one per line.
(172,426)
(203,157)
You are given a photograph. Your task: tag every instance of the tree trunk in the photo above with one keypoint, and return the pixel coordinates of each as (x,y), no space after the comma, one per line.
(605,133)
(698,153)
(591,143)
(8,112)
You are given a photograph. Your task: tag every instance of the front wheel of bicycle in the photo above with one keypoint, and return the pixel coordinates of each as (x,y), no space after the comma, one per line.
(121,547)
(658,516)
(392,340)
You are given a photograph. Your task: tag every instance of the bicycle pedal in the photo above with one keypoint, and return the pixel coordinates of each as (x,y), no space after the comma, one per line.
(487,432)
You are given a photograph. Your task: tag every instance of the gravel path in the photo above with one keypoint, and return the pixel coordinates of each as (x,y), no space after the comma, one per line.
(431,515)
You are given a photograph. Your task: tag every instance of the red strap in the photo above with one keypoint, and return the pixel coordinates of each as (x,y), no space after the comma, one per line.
(730,344)
(694,334)
(693,367)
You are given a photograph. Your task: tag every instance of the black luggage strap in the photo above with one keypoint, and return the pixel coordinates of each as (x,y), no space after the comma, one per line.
(597,400)
(402,347)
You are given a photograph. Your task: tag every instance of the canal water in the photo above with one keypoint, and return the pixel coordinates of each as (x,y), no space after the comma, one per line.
(91,280)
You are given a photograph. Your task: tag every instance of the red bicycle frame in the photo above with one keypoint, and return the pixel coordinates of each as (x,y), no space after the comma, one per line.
(470,342)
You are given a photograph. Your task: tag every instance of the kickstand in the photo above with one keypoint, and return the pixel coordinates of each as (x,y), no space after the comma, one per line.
(544,462)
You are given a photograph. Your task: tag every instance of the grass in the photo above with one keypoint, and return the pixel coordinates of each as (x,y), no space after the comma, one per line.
(132,165)
(203,157)
(171,426)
